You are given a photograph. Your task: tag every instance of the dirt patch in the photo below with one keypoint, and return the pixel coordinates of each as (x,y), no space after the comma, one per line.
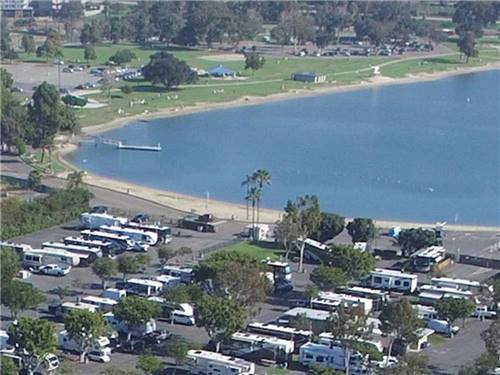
(224,57)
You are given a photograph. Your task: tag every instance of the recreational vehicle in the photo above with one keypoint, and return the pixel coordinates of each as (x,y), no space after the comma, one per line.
(184,273)
(379,297)
(102,303)
(70,345)
(64,308)
(105,246)
(123,242)
(207,363)
(326,338)
(143,287)
(151,238)
(423,260)
(18,248)
(114,294)
(461,284)
(442,327)
(164,233)
(95,220)
(254,346)
(92,252)
(281,270)
(36,258)
(182,313)
(393,280)
(425,312)
(140,330)
(312,355)
(430,294)
(299,337)
(168,281)
(330,301)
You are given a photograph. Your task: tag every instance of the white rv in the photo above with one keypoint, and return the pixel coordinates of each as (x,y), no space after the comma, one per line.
(281,270)
(123,242)
(114,294)
(35,258)
(95,220)
(143,287)
(70,345)
(168,281)
(430,294)
(425,312)
(122,327)
(102,303)
(424,259)
(461,284)
(204,362)
(184,273)
(442,327)
(242,343)
(333,357)
(138,235)
(64,308)
(378,297)
(326,338)
(330,301)
(92,252)
(164,233)
(105,246)
(182,313)
(393,280)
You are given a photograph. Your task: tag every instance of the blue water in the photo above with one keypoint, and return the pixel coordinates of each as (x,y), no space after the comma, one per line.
(419,152)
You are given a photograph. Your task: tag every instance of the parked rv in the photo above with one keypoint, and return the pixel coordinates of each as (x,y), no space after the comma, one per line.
(184,273)
(103,304)
(123,242)
(204,362)
(312,355)
(164,233)
(393,280)
(122,327)
(92,252)
(138,235)
(442,327)
(36,258)
(423,260)
(300,337)
(64,308)
(95,220)
(114,294)
(143,287)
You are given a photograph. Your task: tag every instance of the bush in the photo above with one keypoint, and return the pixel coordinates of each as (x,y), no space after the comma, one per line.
(122,56)
(75,100)
(126,89)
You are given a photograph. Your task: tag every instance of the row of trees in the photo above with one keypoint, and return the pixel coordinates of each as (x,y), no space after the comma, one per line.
(254,185)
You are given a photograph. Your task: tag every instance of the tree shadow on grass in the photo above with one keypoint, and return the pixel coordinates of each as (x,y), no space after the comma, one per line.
(443,60)
(150,89)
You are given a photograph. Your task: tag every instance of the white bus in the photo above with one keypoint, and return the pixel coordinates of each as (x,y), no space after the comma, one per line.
(462,284)
(93,252)
(379,297)
(424,259)
(95,220)
(287,333)
(393,280)
(36,258)
(123,242)
(207,363)
(151,238)
(103,304)
(164,233)
(105,246)
(143,287)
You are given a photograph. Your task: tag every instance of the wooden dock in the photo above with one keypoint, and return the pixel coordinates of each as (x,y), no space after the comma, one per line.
(120,145)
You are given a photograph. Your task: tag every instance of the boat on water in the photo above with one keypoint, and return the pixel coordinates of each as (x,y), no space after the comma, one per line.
(120,145)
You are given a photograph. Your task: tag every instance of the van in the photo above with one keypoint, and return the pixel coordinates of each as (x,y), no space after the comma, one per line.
(182,313)
(442,327)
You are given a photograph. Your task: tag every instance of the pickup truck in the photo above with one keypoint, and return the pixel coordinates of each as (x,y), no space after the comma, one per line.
(482,312)
(52,270)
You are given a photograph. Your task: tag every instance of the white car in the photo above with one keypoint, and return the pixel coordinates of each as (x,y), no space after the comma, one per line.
(53,270)
(51,362)
(100,355)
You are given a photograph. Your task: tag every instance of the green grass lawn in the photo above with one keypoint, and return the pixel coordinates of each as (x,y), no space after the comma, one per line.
(437,340)
(257,250)
(50,164)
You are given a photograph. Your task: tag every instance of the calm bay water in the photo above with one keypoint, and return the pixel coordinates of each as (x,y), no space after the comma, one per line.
(418,152)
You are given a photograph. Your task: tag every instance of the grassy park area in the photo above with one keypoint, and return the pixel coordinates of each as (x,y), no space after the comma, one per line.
(257,250)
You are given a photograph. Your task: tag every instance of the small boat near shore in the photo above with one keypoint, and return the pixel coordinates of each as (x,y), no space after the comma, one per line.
(122,146)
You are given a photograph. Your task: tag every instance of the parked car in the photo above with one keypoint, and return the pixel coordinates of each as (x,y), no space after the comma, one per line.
(482,312)
(100,355)
(68,70)
(157,337)
(58,62)
(16,89)
(52,270)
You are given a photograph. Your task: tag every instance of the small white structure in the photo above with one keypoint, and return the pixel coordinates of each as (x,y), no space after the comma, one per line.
(204,362)
(95,220)
(143,287)
(333,357)
(361,246)
(393,280)
(330,301)
(259,232)
(461,284)
(102,303)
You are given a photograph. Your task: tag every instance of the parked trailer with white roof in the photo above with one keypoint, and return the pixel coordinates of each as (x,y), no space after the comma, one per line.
(124,242)
(326,338)
(184,273)
(40,257)
(393,280)
(95,220)
(430,294)
(462,284)
(298,336)
(319,355)
(378,297)
(331,301)
(425,312)
(245,343)
(151,238)
(143,287)
(64,308)
(93,252)
(102,303)
(164,233)
(105,246)
(203,362)
(424,259)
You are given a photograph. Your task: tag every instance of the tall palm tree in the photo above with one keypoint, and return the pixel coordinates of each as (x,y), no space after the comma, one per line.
(247,182)
(75,179)
(261,177)
(253,196)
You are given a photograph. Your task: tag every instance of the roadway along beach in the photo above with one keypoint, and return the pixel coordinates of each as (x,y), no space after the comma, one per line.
(235,211)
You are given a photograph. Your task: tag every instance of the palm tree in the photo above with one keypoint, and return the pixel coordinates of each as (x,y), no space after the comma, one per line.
(34,179)
(75,179)
(247,182)
(261,177)
(253,196)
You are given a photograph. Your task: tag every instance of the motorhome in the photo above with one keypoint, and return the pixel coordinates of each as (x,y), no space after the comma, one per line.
(461,284)
(114,294)
(184,273)
(393,280)
(18,248)
(151,238)
(425,312)
(123,242)
(298,336)
(319,355)
(281,270)
(92,252)
(140,330)
(423,260)
(64,308)
(105,246)
(430,294)
(442,327)
(164,233)
(331,301)
(143,287)
(95,220)
(182,313)
(167,280)
(66,343)
(326,338)
(379,297)
(102,303)
(35,258)
(253,346)
(204,362)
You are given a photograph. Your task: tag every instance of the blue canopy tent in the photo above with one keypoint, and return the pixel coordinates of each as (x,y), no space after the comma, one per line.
(221,71)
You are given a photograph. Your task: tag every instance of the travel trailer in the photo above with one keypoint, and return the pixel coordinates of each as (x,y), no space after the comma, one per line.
(105,246)
(64,308)
(379,297)
(102,303)
(252,346)
(92,252)
(330,301)
(312,355)
(204,362)
(461,284)
(95,220)
(143,287)
(70,345)
(123,242)
(164,233)
(138,235)
(393,280)
(299,337)
(184,273)
(122,327)
(423,260)
(36,258)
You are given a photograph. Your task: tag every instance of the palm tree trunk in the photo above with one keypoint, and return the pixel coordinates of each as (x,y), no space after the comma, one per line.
(258,211)
(43,155)
(253,219)
(301,261)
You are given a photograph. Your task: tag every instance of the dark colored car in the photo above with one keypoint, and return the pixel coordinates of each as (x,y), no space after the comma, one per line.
(282,287)
(99,209)
(157,337)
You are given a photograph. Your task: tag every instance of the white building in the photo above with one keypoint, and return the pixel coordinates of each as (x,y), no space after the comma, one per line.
(16,8)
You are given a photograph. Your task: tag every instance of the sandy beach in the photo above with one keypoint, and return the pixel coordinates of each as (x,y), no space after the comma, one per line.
(233,211)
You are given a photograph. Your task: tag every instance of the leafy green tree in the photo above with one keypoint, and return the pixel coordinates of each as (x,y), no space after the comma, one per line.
(491,338)
(135,311)
(89,53)
(127,89)
(166,21)
(70,13)
(28,43)
(328,278)
(105,268)
(165,253)
(9,265)
(220,317)
(139,27)
(301,321)
(149,363)
(183,293)
(361,230)
(14,115)
(354,263)
(331,225)
(117,29)
(61,292)
(84,327)
(306,214)
(411,364)
(312,291)
(123,56)
(177,348)
(8,366)
(287,233)
(19,296)
(75,180)
(167,70)
(254,61)
(128,265)
(467,46)
(451,309)
(144,261)
(400,321)
(415,239)
(475,16)
(34,339)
